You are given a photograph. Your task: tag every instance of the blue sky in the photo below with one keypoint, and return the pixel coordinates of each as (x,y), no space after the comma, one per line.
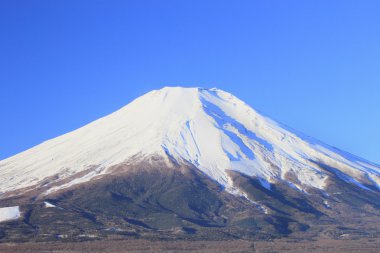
(313,65)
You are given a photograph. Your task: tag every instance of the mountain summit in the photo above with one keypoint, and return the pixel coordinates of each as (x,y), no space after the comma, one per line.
(215,141)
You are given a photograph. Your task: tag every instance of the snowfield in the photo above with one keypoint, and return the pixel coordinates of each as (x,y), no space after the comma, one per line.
(209,128)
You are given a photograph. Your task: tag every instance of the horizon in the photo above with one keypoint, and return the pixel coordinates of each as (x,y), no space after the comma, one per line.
(313,67)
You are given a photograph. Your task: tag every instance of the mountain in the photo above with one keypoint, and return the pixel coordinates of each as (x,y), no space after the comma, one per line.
(187,162)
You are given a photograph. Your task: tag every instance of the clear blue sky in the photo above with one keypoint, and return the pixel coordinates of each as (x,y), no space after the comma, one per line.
(313,65)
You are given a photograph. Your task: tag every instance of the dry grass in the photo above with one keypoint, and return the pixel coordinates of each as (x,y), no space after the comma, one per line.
(236,246)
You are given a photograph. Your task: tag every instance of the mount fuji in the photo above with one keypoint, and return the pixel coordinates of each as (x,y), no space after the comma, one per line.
(184,162)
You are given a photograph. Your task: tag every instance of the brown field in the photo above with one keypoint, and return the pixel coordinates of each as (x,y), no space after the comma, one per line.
(236,246)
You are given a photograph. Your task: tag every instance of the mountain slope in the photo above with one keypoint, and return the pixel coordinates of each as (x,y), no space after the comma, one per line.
(190,159)
(211,129)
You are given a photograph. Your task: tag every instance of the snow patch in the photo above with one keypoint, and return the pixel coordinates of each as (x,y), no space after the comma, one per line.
(259,206)
(49,205)
(9,213)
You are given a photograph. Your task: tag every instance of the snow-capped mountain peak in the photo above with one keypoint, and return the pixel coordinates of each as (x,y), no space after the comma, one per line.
(208,128)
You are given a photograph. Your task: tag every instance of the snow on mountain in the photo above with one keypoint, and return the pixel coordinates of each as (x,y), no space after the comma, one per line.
(9,213)
(48,204)
(209,128)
